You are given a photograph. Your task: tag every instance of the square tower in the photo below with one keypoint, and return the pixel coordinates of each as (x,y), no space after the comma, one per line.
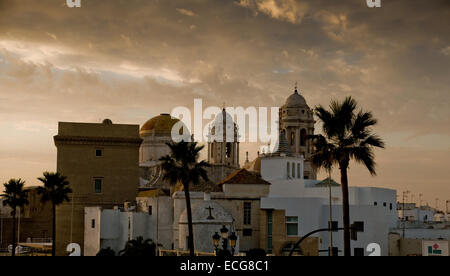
(101,163)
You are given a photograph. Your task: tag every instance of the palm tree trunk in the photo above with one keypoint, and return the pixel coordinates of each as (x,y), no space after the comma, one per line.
(13,252)
(54,230)
(189,217)
(345,211)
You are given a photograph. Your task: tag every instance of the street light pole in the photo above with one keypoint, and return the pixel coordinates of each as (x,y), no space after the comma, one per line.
(331,214)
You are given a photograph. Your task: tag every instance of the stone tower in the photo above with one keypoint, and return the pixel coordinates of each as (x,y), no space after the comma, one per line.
(223,141)
(297,122)
(101,163)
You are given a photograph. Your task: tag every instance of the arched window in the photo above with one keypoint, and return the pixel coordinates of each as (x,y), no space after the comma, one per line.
(293,170)
(298,170)
(287,170)
(228,150)
(303,137)
(292,138)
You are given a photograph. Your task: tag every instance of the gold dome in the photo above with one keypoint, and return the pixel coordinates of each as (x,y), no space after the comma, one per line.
(161,124)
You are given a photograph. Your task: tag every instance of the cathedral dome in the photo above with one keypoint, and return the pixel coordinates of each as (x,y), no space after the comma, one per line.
(161,124)
(295,100)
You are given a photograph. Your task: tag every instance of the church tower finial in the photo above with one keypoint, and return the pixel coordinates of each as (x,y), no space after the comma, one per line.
(296,86)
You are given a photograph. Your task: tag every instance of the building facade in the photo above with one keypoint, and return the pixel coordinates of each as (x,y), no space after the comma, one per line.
(101,163)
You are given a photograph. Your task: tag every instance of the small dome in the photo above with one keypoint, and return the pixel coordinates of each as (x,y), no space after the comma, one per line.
(295,100)
(201,213)
(161,124)
(107,122)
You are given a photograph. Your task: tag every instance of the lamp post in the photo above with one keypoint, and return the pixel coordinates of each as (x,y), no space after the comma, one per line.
(216,241)
(233,239)
(225,238)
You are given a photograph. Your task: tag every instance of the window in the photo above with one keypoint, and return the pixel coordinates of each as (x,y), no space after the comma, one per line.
(269,231)
(247,232)
(384,204)
(390,206)
(150,210)
(247,213)
(303,137)
(228,150)
(99,152)
(358,252)
(98,185)
(293,170)
(93,223)
(292,226)
(375,203)
(292,138)
(287,170)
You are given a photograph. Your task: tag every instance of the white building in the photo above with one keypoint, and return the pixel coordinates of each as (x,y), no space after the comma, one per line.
(113,228)
(308,201)
(410,212)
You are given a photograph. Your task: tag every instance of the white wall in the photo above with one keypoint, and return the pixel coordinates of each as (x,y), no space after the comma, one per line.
(114,228)
(313,214)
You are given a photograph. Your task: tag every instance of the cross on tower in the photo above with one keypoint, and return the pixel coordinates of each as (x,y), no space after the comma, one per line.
(210,214)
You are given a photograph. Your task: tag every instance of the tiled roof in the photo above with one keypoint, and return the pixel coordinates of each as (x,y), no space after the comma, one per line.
(242,176)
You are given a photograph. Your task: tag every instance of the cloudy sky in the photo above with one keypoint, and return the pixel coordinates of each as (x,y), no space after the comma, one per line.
(129,60)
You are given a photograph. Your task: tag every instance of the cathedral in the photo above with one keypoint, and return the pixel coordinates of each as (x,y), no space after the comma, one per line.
(296,122)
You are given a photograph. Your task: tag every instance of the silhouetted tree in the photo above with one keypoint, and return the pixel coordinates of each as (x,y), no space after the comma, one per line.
(14,196)
(347,135)
(182,166)
(139,248)
(56,190)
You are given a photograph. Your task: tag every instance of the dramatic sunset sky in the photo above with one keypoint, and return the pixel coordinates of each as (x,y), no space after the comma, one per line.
(129,60)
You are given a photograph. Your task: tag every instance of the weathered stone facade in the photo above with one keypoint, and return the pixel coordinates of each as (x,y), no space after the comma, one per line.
(101,162)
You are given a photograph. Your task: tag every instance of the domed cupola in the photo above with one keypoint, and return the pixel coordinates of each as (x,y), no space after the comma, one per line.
(296,123)
(295,100)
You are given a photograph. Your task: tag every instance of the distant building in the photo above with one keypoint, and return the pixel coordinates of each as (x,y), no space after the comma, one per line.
(33,221)
(408,237)
(410,212)
(101,162)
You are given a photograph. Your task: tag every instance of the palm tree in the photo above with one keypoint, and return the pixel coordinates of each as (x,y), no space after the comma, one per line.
(139,248)
(182,166)
(56,191)
(14,196)
(347,135)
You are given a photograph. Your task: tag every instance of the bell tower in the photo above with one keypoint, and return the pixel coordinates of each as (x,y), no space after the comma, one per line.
(223,142)
(297,122)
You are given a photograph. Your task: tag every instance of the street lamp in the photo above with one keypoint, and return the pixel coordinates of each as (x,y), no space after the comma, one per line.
(233,239)
(216,240)
(224,236)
